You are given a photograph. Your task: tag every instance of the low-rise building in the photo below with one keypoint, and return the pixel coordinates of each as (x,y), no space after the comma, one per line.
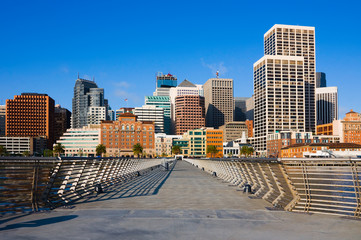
(233,130)
(214,137)
(120,136)
(164,144)
(327,150)
(19,145)
(81,141)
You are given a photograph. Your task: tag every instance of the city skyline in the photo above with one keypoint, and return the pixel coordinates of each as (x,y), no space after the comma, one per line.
(120,54)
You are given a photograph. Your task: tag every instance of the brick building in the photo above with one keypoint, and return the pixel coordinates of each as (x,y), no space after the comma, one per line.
(120,136)
(31,115)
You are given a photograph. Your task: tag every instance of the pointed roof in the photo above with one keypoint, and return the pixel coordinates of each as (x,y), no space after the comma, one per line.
(186,83)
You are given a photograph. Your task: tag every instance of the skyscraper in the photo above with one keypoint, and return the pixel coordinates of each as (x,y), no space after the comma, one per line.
(61,121)
(164,103)
(326,104)
(86,95)
(219,104)
(288,40)
(164,83)
(278,97)
(240,108)
(321,79)
(30,115)
(189,113)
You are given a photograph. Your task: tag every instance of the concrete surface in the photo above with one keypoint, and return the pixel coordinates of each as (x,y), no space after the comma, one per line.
(184,203)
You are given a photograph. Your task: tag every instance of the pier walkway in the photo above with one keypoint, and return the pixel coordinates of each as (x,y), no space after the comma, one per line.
(183,203)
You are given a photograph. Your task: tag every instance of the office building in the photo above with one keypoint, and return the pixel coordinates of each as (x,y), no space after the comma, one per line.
(189,113)
(96,115)
(81,141)
(321,80)
(279,95)
(250,108)
(151,114)
(61,121)
(326,105)
(219,104)
(120,136)
(296,41)
(30,115)
(214,137)
(2,120)
(164,103)
(240,108)
(164,144)
(86,95)
(164,83)
(234,130)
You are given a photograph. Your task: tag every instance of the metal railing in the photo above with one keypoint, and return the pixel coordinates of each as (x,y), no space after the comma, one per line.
(33,184)
(328,186)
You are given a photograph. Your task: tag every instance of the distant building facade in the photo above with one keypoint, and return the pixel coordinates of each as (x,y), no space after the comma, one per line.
(321,80)
(61,121)
(164,103)
(151,114)
(189,113)
(326,104)
(30,115)
(164,144)
(164,83)
(214,137)
(2,120)
(120,111)
(219,103)
(240,109)
(233,130)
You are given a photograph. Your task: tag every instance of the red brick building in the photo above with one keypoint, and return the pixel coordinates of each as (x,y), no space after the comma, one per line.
(189,113)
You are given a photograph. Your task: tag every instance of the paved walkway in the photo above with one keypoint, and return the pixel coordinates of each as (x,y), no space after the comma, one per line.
(184,203)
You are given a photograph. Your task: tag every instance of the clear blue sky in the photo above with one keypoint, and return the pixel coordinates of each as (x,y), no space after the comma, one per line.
(123,44)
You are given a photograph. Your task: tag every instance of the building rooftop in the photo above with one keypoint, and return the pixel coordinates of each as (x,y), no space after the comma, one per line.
(186,83)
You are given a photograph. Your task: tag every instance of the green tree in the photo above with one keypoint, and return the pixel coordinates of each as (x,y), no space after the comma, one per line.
(137,149)
(176,149)
(3,151)
(244,150)
(212,150)
(26,153)
(164,154)
(250,151)
(100,150)
(48,153)
(58,149)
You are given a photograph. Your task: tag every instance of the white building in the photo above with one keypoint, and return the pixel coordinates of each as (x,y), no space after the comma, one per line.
(153,114)
(81,141)
(326,105)
(96,115)
(164,144)
(17,145)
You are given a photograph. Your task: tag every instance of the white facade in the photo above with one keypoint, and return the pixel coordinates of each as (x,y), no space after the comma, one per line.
(81,141)
(289,40)
(17,145)
(96,115)
(279,93)
(153,114)
(326,105)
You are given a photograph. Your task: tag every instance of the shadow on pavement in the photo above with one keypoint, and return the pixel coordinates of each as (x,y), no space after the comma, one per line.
(40,222)
(148,184)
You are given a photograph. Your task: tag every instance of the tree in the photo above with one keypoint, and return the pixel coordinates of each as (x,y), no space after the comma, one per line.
(212,150)
(176,149)
(100,150)
(80,153)
(230,154)
(250,151)
(26,153)
(58,149)
(164,154)
(3,151)
(244,150)
(137,149)
(48,153)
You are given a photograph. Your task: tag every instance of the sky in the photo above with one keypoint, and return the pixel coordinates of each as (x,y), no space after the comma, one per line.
(123,44)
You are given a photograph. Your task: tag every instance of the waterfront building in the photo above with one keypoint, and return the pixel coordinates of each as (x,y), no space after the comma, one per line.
(321,80)
(120,136)
(326,105)
(279,95)
(151,114)
(240,108)
(214,137)
(86,95)
(81,141)
(164,103)
(120,111)
(61,121)
(164,144)
(233,130)
(2,120)
(324,150)
(231,149)
(219,104)
(295,41)
(30,115)
(189,113)
(19,145)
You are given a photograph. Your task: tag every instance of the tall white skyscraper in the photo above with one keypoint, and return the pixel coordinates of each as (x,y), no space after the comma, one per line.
(326,104)
(289,40)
